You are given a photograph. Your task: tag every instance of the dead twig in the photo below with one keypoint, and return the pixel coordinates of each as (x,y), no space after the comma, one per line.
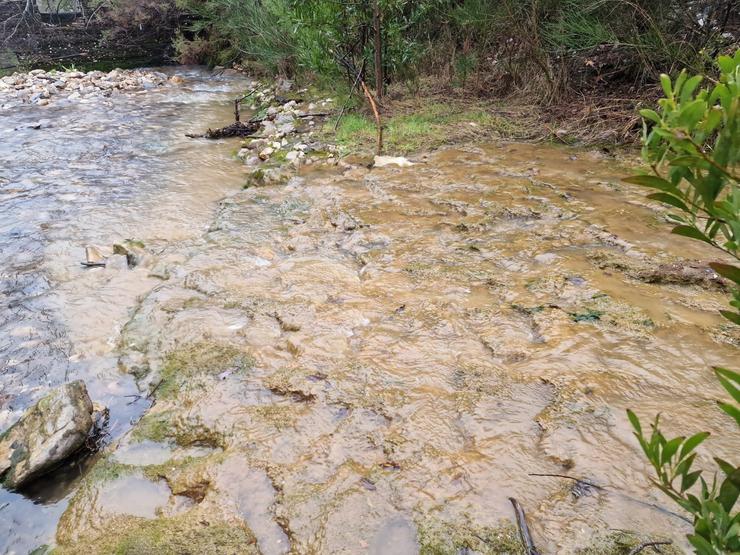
(349,97)
(579,480)
(610,489)
(378,122)
(524,533)
(645,545)
(238,101)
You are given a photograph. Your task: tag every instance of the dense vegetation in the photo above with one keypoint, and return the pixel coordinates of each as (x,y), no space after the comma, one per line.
(692,145)
(549,47)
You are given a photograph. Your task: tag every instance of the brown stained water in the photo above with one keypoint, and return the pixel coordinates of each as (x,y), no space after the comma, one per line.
(354,360)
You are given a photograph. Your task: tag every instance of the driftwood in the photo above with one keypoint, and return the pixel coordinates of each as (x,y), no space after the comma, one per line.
(524,533)
(236,129)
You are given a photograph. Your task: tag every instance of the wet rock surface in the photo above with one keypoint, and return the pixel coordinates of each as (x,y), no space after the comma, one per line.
(49,432)
(360,360)
(393,354)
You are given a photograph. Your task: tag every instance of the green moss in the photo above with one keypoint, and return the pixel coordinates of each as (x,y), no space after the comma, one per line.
(165,426)
(621,542)
(154,426)
(106,469)
(199,359)
(193,532)
(188,476)
(437,537)
(255,179)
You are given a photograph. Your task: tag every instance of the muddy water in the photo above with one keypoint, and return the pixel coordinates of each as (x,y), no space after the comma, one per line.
(95,173)
(356,362)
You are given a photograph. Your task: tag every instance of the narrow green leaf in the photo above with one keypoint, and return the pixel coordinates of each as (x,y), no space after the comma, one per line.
(670,449)
(692,443)
(669,199)
(730,381)
(634,421)
(688,480)
(651,115)
(652,181)
(729,491)
(702,546)
(731,410)
(692,113)
(726,270)
(725,63)
(689,87)
(692,232)
(665,82)
(733,317)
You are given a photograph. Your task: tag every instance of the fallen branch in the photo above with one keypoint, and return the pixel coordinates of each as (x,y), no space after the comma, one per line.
(236,129)
(524,534)
(654,545)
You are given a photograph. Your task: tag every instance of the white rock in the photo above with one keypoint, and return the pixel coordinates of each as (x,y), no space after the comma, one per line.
(266,153)
(400,161)
(546,258)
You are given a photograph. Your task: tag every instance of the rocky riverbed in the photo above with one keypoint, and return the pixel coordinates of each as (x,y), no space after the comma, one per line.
(333,358)
(40,87)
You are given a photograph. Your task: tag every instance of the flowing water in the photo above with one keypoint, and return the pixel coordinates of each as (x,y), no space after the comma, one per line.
(360,361)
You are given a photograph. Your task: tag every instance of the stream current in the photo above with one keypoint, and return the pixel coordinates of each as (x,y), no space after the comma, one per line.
(360,361)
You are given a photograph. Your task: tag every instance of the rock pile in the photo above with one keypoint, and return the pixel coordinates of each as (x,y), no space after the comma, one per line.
(41,87)
(286,139)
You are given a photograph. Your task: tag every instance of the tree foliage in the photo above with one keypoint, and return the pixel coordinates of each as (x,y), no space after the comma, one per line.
(511,43)
(693,147)
(692,144)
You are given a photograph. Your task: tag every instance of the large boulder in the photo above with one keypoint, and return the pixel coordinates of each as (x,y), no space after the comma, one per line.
(46,434)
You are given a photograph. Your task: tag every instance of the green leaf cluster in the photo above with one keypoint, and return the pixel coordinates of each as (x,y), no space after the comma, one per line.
(716,522)
(692,144)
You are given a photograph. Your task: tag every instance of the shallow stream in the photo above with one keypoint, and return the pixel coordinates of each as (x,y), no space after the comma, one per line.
(360,361)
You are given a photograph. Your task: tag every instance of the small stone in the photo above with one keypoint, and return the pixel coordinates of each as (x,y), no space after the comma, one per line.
(93,256)
(546,258)
(160,271)
(292,155)
(266,153)
(116,262)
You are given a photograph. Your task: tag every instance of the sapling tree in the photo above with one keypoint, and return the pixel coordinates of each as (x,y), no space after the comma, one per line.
(692,145)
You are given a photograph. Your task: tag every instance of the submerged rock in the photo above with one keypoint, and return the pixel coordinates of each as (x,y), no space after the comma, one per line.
(46,434)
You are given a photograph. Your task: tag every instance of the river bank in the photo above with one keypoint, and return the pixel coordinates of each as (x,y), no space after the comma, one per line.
(343,359)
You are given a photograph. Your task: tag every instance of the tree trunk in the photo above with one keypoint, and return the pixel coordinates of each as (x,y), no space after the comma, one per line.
(377,20)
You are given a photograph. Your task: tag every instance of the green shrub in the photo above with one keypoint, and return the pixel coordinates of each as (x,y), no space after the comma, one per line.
(692,145)
(716,528)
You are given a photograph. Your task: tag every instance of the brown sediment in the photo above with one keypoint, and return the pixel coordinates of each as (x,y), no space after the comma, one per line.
(462,326)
